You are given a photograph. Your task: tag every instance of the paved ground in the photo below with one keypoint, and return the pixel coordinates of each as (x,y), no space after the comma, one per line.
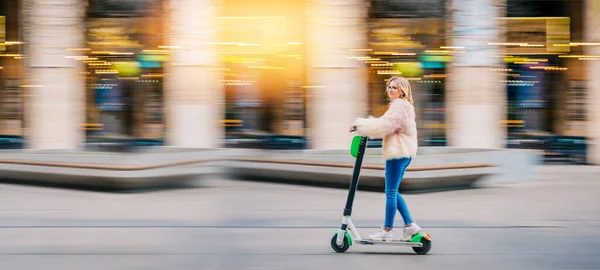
(553,223)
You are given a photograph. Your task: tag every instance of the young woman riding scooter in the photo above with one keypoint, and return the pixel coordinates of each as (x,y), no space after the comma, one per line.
(398,129)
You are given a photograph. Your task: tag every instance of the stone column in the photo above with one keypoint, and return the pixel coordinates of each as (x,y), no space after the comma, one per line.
(193,94)
(475,98)
(337,91)
(592,34)
(55,107)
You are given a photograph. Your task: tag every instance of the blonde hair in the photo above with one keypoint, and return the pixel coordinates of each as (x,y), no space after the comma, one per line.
(404,85)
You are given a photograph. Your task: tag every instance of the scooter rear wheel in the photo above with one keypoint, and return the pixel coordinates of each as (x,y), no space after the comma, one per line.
(425,248)
(341,248)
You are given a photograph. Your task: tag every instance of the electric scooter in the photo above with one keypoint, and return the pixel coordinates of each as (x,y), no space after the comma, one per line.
(348,234)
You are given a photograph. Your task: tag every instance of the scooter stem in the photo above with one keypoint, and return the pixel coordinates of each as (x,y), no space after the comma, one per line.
(355,176)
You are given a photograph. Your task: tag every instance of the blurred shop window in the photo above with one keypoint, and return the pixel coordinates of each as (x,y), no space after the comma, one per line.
(537,8)
(120,8)
(11,68)
(153,106)
(576,101)
(11,102)
(407,8)
(294,104)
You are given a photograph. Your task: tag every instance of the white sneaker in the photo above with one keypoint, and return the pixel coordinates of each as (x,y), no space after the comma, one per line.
(382,235)
(410,231)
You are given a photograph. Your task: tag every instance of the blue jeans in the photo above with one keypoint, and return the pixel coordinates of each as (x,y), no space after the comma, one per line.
(394,171)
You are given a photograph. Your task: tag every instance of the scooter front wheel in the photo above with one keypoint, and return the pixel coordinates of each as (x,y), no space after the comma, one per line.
(345,245)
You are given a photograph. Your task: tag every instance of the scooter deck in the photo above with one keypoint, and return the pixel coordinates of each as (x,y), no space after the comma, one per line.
(390,242)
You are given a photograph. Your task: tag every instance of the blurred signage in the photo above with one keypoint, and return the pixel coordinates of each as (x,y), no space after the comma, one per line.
(405,34)
(538,35)
(127,68)
(409,69)
(152,60)
(113,33)
(407,9)
(558,34)
(153,57)
(436,58)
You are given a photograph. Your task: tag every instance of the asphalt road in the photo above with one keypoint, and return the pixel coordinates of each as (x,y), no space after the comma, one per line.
(552,223)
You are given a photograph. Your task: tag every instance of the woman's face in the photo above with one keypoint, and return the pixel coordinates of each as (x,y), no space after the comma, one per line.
(393,90)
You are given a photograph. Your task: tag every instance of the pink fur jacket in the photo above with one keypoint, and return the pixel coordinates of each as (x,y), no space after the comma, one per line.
(398,128)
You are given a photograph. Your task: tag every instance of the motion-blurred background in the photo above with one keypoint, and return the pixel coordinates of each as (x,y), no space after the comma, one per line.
(293,74)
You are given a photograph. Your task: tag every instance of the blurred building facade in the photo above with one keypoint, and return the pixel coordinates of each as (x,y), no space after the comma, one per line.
(193,72)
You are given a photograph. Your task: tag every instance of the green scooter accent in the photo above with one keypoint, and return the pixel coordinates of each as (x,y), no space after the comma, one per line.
(417,237)
(355,146)
(348,237)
